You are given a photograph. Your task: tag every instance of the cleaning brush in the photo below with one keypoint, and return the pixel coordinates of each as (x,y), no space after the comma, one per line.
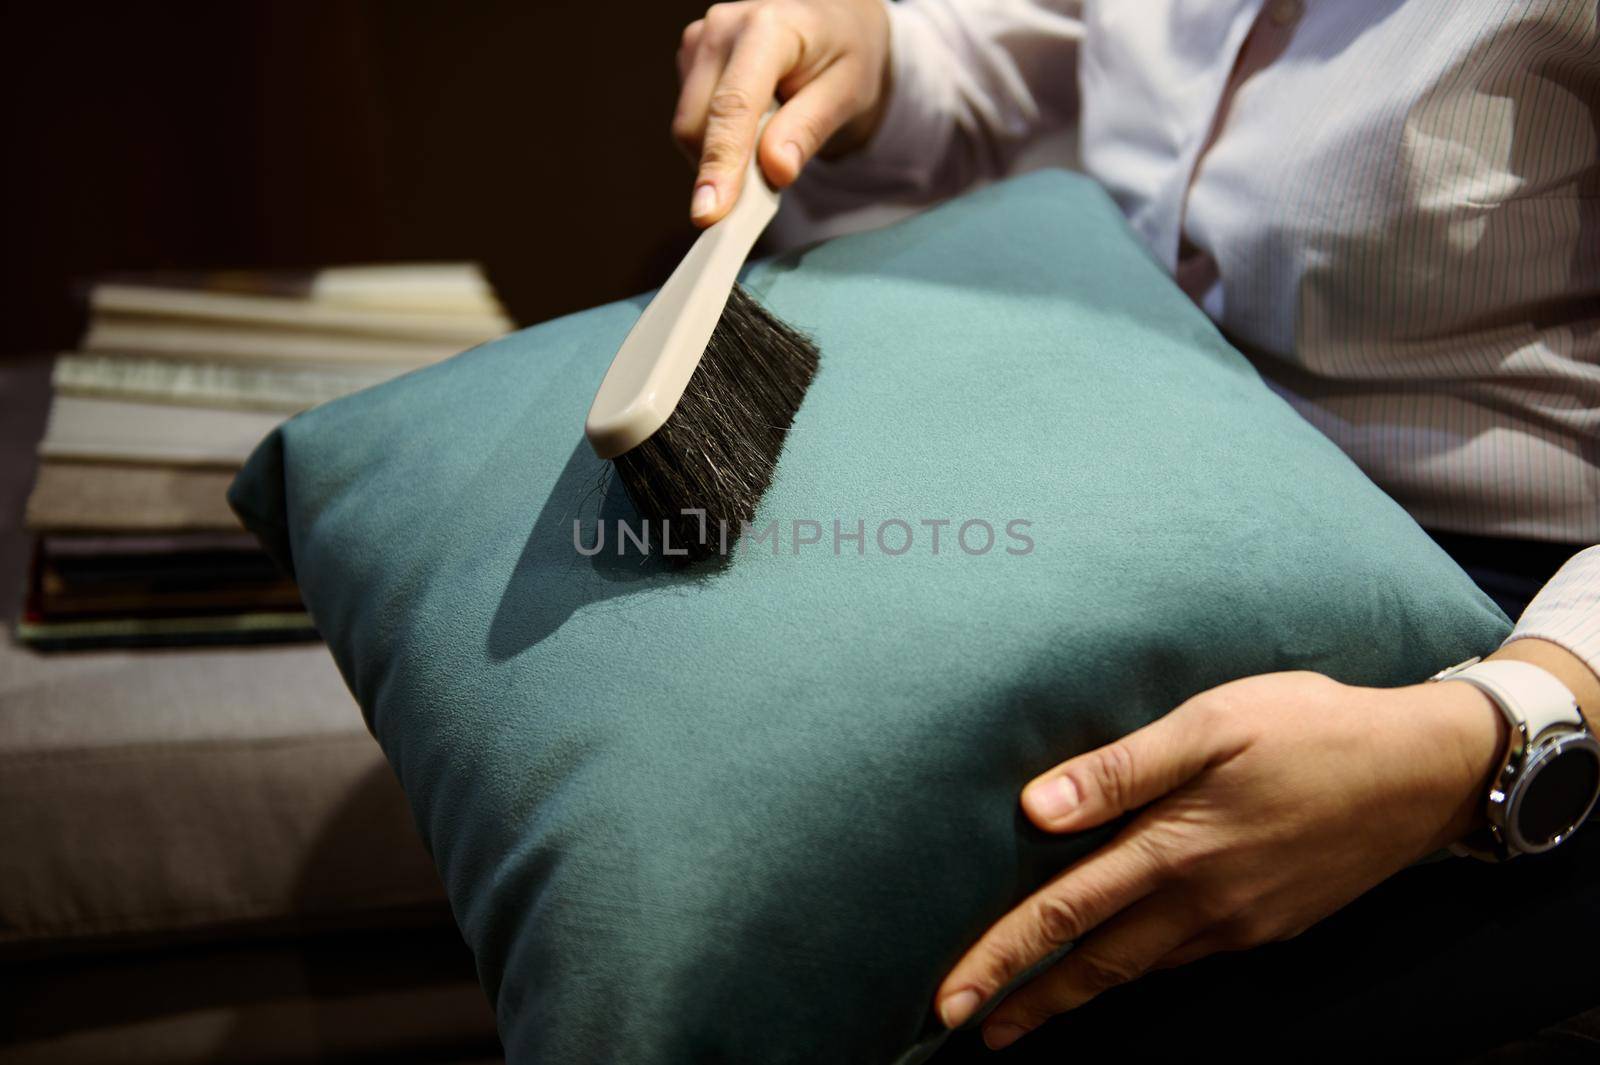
(698,400)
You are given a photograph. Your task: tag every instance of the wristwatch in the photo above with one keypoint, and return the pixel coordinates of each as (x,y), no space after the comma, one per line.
(1550,776)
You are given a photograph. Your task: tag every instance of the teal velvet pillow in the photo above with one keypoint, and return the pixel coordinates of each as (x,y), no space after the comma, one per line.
(753,811)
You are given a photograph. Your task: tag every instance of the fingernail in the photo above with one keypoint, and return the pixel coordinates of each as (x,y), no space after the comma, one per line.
(705,200)
(956,1008)
(791,155)
(1054,799)
(1000,1036)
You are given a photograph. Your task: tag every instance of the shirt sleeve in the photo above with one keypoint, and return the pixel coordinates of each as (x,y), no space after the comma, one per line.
(971,84)
(1567,610)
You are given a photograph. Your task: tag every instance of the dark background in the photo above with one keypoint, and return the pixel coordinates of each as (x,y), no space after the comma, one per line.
(531,136)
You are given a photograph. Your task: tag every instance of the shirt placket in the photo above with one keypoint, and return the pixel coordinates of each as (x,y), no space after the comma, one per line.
(1196,270)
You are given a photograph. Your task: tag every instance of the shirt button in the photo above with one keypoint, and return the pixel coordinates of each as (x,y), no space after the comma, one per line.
(1283,12)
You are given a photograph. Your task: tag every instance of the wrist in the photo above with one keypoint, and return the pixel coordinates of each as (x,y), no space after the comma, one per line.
(1470,733)
(1549,778)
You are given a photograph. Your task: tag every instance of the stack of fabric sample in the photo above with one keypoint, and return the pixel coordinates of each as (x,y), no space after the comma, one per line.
(179,377)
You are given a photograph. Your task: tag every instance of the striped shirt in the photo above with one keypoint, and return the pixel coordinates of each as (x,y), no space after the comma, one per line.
(1391,206)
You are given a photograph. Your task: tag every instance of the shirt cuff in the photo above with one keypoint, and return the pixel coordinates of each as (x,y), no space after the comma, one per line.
(1567,610)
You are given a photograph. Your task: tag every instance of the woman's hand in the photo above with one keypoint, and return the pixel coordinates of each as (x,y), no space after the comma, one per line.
(1270,803)
(826,59)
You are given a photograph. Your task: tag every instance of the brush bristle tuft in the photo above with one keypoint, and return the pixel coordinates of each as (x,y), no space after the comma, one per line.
(718,451)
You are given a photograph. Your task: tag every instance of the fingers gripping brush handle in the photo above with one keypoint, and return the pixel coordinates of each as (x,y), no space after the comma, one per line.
(664,347)
(699,400)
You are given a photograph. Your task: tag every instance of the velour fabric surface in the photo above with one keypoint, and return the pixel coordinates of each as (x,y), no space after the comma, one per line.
(753,810)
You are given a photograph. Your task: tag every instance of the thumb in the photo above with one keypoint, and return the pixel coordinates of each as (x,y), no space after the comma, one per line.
(1134,771)
(806,121)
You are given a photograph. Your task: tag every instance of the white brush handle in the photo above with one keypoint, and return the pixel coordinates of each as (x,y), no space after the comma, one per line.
(661,351)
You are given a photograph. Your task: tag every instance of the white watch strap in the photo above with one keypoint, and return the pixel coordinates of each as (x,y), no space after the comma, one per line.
(1528,696)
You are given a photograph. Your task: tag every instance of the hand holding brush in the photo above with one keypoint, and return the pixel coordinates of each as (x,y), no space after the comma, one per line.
(827,60)
(696,405)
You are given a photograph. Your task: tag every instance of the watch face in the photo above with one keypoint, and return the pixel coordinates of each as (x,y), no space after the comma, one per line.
(1558,795)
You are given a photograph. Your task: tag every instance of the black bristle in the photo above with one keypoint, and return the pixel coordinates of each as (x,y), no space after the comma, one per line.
(717,451)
